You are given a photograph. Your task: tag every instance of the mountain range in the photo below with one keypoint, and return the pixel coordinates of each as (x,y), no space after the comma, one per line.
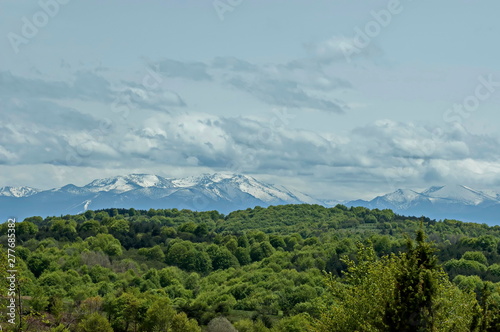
(440,202)
(219,191)
(228,192)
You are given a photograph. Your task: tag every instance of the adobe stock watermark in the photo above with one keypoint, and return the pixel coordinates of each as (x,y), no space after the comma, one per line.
(483,91)
(31,26)
(364,36)
(224,6)
(12,278)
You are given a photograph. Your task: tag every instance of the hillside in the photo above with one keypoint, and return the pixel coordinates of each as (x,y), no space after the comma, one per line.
(263,269)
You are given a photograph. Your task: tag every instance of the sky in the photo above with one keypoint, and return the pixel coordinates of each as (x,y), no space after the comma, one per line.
(338,99)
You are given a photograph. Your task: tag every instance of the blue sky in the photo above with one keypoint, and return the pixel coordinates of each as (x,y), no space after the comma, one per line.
(339,99)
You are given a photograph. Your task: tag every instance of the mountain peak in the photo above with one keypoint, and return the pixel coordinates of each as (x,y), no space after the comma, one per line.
(402,198)
(129,182)
(208,178)
(224,192)
(22,191)
(440,202)
(458,193)
(432,189)
(227,192)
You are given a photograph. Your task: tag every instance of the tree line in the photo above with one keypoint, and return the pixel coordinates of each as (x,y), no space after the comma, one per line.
(281,268)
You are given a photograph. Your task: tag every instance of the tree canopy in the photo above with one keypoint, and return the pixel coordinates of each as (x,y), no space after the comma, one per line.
(281,268)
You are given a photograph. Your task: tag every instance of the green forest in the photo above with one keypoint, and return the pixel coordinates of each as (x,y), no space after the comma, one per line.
(286,268)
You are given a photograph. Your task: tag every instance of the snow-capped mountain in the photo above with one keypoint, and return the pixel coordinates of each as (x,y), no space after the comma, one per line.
(455,194)
(458,194)
(232,186)
(17,191)
(122,184)
(441,202)
(224,192)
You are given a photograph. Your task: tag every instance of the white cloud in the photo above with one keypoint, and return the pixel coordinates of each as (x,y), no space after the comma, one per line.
(84,86)
(297,84)
(159,132)
(341,48)
(138,96)
(196,71)
(384,155)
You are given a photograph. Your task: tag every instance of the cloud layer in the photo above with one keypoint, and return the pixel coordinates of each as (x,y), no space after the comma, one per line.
(100,125)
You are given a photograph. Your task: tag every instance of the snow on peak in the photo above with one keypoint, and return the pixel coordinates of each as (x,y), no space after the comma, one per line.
(148,180)
(449,194)
(127,183)
(458,193)
(203,179)
(264,191)
(218,186)
(222,184)
(432,190)
(18,191)
(402,196)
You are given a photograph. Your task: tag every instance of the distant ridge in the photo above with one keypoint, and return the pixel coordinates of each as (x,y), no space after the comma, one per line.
(224,192)
(440,202)
(17,191)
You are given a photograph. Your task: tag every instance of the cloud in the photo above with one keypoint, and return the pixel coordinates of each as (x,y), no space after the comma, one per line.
(245,144)
(61,123)
(196,71)
(233,64)
(138,96)
(379,157)
(286,93)
(40,132)
(296,84)
(341,48)
(406,140)
(85,86)
(39,128)
(408,155)
(385,154)
(333,49)
(37,125)
(34,115)
(291,85)
(220,141)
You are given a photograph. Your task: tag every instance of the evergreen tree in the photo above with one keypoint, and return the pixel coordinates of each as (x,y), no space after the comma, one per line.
(415,290)
(406,292)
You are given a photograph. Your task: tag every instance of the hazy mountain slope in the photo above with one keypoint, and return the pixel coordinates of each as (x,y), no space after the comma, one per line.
(224,192)
(440,202)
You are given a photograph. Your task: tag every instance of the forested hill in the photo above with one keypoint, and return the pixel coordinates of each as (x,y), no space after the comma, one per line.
(282,268)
